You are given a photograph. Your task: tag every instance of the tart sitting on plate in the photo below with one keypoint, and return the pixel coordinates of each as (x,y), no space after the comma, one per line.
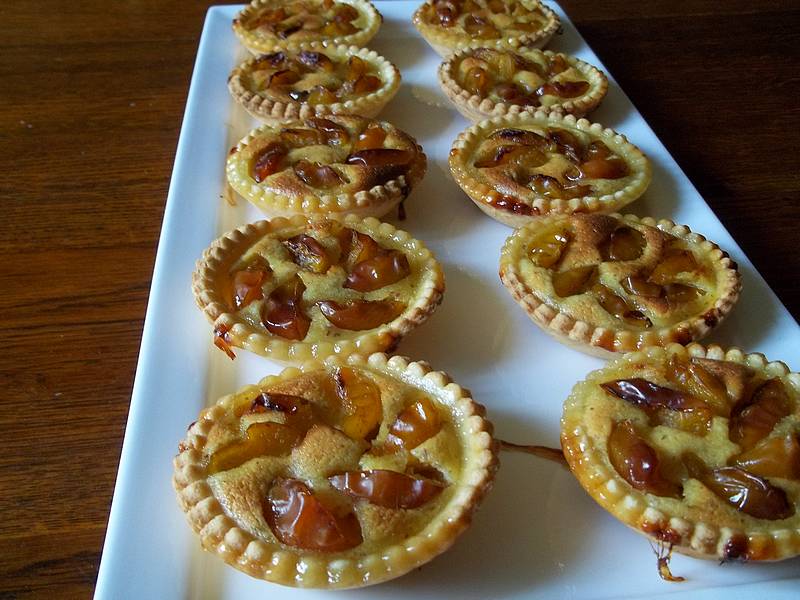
(697,448)
(451,25)
(293,289)
(339,475)
(607,283)
(270,25)
(334,165)
(518,167)
(486,82)
(318,81)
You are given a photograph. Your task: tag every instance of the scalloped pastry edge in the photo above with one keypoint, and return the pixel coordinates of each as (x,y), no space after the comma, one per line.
(598,341)
(273,562)
(216,260)
(701,540)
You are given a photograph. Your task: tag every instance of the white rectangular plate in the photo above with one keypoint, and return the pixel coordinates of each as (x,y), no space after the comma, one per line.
(538,535)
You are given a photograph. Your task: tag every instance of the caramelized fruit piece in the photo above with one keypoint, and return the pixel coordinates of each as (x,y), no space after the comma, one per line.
(385,268)
(308,253)
(639,286)
(566,142)
(574,281)
(525,157)
(480,27)
(700,383)
(283,315)
(362,411)
(359,315)
(521,136)
(414,425)
(356,69)
(298,518)
(321,95)
(356,247)
(679,293)
(550,187)
(389,489)
(380,157)
(604,168)
(637,462)
(772,457)
(546,251)
(514,205)
(332,132)
(366,84)
(345,13)
(262,439)
(222,341)
(624,243)
(558,64)
(769,404)
(269,61)
(268,160)
(297,137)
(476,81)
(283,77)
(564,89)
(317,175)
(372,137)
(315,60)
(619,307)
(247,285)
(675,261)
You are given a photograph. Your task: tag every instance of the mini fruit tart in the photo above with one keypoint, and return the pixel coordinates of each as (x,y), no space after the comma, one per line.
(451,25)
(518,167)
(270,25)
(696,448)
(284,86)
(293,289)
(487,82)
(607,283)
(336,475)
(334,165)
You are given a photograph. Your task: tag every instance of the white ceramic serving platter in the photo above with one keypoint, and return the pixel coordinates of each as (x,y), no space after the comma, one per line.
(538,534)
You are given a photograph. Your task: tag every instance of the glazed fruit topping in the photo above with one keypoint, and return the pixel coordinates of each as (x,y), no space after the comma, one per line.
(381,157)
(356,247)
(359,315)
(513,205)
(700,383)
(332,132)
(372,137)
(624,243)
(772,457)
(268,160)
(317,175)
(637,462)
(222,340)
(283,314)
(550,187)
(414,425)
(316,61)
(619,307)
(297,137)
(564,89)
(389,489)
(361,408)
(674,262)
(547,250)
(301,520)
(287,20)
(755,418)
(571,282)
(308,253)
(247,283)
(384,268)
(261,439)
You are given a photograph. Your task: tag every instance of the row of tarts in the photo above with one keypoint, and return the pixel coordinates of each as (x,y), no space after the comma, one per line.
(353,467)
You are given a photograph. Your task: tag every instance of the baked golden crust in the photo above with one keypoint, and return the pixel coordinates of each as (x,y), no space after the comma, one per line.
(697,521)
(519,167)
(674,286)
(524,79)
(264,247)
(330,80)
(227,506)
(365,175)
(485,23)
(270,25)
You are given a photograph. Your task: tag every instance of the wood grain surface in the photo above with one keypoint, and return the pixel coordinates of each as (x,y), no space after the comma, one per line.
(91,100)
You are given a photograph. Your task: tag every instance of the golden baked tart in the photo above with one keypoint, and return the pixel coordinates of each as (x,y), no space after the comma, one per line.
(293,289)
(607,283)
(519,167)
(490,82)
(334,165)
(285,85)
(696,448)
(270,25)
(451,25)
(336,475)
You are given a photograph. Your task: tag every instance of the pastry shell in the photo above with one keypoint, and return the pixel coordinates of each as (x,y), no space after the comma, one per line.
(445,42)
(209,284)
(605,342)
(261,43)
(710,529)
(275,112)
(477,108)
(374,201)
(274,562)
(482,194)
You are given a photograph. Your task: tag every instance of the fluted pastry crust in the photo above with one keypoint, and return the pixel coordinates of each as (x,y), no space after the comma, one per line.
(700,523)
(220,508)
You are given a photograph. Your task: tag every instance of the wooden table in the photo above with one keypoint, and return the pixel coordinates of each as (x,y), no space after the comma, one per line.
(91,105)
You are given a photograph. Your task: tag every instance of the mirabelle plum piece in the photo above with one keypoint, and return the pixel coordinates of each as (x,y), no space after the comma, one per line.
(317,175)
(380,157)
(624,243)
(604,168)
(366,84)
(269,61)
(550,187)
(372,137)
(297,137)
(283,77)
(558,64)
(268,160)
(321,95)
(476,81)
(344,13)
(574,281)
(639,286)
(247,284)
(356,247)
(262,439)
(389,489)
(526,157)
(332,133)
(315,60)
(308,253)
(521,137)
(385,268)
(700,383)
(546,251)
(772,457)
(564,89)
(637,462)
(619,307)
(769,404)
(480,27)
(282,314)
(679,293)
(299,519)
(359,315)
(361,407)
(566,142)
(356,68)
(414,425)
(675,261)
